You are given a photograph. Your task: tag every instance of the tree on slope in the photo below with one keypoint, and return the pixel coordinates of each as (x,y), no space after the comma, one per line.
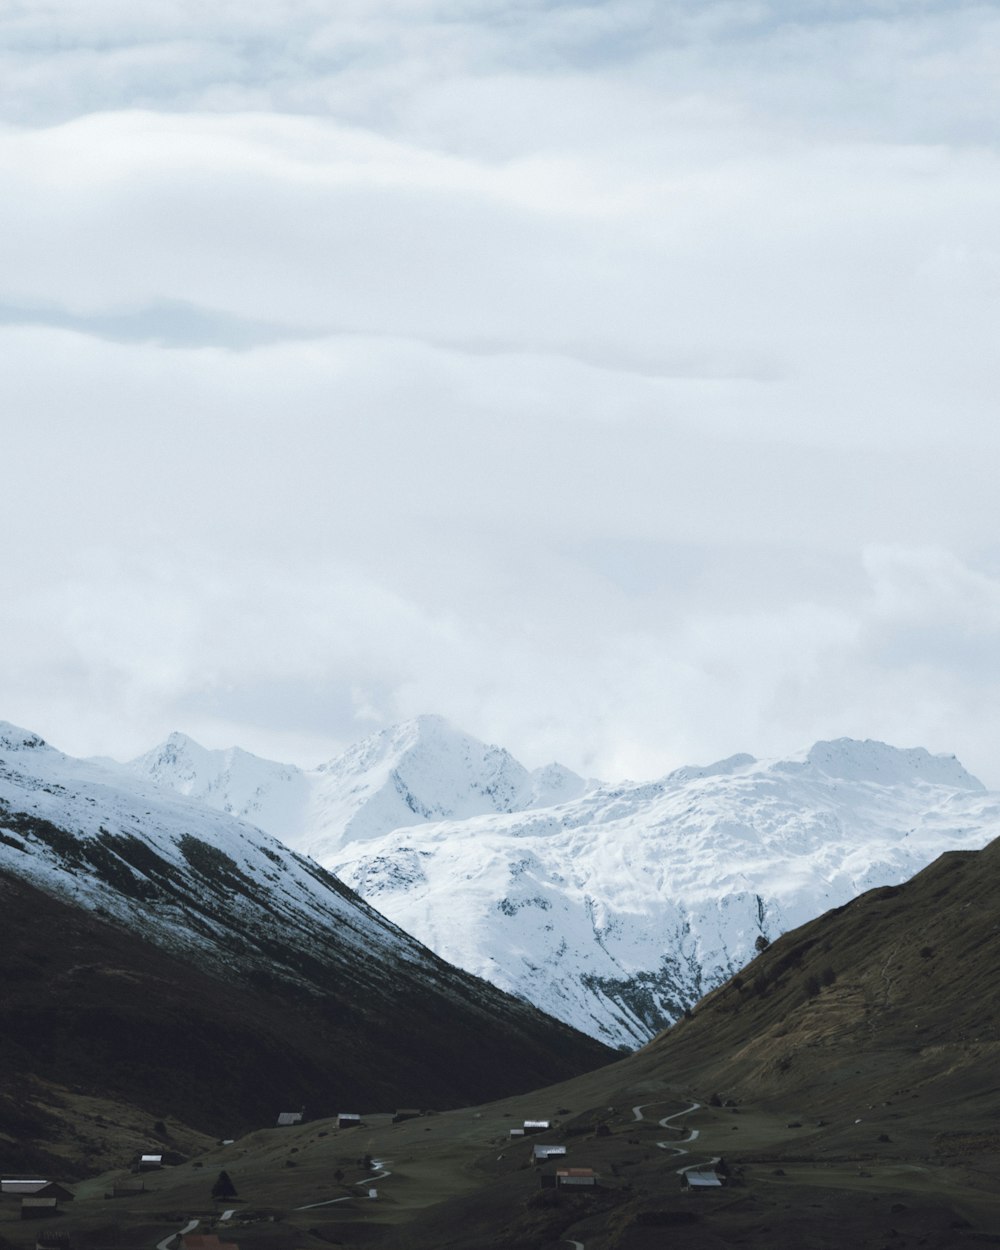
(224,1187)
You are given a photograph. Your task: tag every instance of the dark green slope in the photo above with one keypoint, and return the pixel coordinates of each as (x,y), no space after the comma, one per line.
(96,1009)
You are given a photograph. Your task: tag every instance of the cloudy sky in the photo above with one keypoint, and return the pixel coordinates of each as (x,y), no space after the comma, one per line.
(618,379)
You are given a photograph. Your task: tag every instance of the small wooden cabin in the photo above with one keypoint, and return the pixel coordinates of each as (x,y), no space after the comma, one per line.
(540,1153)
(406,1113)
(576,1177)
(38,1208)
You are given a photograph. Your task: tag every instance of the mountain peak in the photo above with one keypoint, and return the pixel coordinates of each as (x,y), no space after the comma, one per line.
(180,743)
(850,759)
(419,770)
(179,746)
(427,732)
(14,738)
(178,757)
(427,724)
(721,768)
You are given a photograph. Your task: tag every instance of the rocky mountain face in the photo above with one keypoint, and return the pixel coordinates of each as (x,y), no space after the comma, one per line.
(613,907)
(169,954)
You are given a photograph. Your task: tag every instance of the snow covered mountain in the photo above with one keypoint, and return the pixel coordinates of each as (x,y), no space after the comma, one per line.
(219,897)
(615,907)
(619,909)
(75,829)
(420,771)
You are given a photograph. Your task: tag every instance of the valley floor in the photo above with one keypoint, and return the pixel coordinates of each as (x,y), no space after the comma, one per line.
(868,1177)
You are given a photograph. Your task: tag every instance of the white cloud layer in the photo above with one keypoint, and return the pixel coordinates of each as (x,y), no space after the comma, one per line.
(617,379)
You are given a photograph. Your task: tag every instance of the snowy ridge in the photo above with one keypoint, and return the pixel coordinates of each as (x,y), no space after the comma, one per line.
(323,990)
(267,794)
(72,828)
(417,772)
(848,760)
(617,910)
(208,886)
(611,907)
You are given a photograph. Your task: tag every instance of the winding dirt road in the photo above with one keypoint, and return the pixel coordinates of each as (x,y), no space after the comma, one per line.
(189,1227)
(365,1180)
(674,1147)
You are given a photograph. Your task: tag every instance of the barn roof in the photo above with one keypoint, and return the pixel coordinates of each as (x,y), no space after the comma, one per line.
(53,1190)
(703,1180)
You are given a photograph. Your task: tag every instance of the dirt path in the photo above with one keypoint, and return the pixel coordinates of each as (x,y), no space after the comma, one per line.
(637,1111)
(675,1147)
(365,1180)
(189,1227)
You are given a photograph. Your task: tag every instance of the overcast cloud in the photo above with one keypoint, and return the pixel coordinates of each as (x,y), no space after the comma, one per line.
(618,379)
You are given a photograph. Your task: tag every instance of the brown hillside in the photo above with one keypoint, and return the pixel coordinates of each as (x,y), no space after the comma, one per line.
(903,978)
